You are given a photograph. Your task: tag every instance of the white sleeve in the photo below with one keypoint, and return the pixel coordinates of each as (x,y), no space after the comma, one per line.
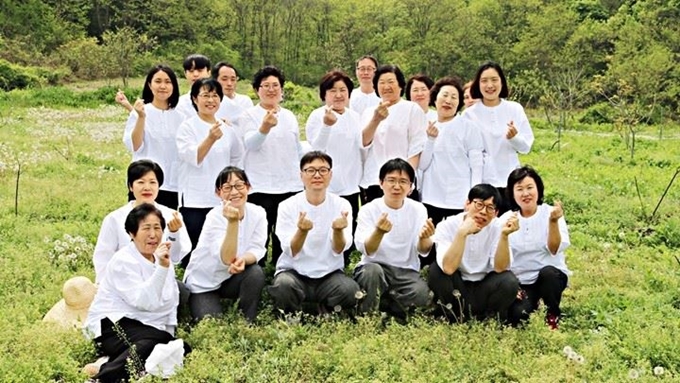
(145,295)
(106,247)
(187,144)
(524,139)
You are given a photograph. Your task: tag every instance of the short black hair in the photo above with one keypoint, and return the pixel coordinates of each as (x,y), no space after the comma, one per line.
(265,72)
(369,57)
(517,176)
(138,214)
(139,168)
(315,155)
(228,173)
(484,192)
(451,81)
(418,77)
(196,61)
(147,94)
(389,69)
(207,83)
(215,72)
(474,89)
(397,164)
(329,79)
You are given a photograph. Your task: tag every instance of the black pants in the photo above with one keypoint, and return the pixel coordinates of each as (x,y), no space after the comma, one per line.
(270,204)
(165,198)
(549,286)
(194,218)
(462,300)
(353,200)
(116,342)
(331,292)
(437,214)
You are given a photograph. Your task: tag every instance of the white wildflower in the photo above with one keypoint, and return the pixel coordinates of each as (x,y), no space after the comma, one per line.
(633,374)
(658,371)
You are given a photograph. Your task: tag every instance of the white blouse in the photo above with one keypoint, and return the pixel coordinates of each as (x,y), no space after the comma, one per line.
(231,109)
(360,101)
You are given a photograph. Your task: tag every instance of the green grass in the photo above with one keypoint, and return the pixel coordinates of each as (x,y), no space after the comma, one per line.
(622,310)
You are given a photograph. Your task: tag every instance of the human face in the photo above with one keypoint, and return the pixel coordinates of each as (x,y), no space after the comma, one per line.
(483,212)
(235,190)
(420,94)
(161,86)
(270,92)
(467,98)
(365,71)
(227,78)
(388,87)
(148,235)
(337,96)
(396,186)
(194,74)
(315,181)
(207,102)
(525,194)
(490,86)
(447,102)
(145,189)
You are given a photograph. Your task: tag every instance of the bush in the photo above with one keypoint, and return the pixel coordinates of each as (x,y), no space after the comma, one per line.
(16,77)
(600,113)
(84,57)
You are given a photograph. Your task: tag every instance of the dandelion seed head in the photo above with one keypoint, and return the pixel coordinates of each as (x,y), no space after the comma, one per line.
(456,293)
(567,350)
(337,308)
(580,359)
(658,371)
(633,374)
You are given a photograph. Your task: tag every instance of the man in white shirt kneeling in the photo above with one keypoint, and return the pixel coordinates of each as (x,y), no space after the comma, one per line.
(314,230)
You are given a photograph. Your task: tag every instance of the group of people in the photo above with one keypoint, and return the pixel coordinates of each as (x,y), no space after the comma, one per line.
(216,180)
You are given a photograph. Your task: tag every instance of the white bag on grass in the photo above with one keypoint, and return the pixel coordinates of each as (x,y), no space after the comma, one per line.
(165,359)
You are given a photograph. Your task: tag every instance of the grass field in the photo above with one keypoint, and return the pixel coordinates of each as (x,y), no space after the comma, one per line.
(621,312)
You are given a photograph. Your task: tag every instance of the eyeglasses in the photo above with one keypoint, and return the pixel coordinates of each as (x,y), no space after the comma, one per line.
(226,188)
(479,205)
(209,96)
(312,171)
(366,69)
(270,86)
(404,183)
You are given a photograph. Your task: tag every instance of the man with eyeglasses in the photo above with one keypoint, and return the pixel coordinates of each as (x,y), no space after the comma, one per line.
(314,229)
(392,232)
(472,277)
(364,96)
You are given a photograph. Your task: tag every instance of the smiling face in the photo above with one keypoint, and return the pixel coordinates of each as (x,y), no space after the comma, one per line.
(447,102)
(467,98)
(483,212)
(420,94)
(207,102)
(148,235)
(525,193)
(270,92)
(365,70)
(228,79)
(161,86)
(388,87)
(316,175)
(490,86)
(235,190)
(337,97)
(145,189)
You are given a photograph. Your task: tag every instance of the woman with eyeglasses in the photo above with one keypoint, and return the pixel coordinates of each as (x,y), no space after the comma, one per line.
(538,247)
(151,129)
(271,136)
(206,145)
(224,264)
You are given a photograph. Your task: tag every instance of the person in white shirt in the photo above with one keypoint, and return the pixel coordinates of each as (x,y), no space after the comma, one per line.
(205,145)
(538,247)
(394,128)
(418,90)
(135,307)
(336,130)
(151,129)
(392,232)
(452,159)
(224,264)
(196,67)
(504,126)
(144,178)
(467,96)
(364,96)
(233,104)
(271,135)
(472,277)
(313,227)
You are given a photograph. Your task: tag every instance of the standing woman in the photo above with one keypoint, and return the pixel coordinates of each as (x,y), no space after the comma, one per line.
(206,145)
(272,149)
(395,128)
(504,125)
(336,130)
(418,90)
(537,247)
(151,129)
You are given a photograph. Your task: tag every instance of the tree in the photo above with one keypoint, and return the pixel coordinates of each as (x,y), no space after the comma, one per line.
(121,48)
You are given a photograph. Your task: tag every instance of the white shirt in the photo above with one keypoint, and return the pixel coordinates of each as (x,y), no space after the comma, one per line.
(529,245)
(113,237)
(272,160)
(135,288)
(500,154)
(431,115)
(231,109)
(185,107)
(451,163)
(399,247)
(343,142)
(400,135)
(360,101)
(206,271)
(480,249)
(158,145)
(316,258)
(197,181)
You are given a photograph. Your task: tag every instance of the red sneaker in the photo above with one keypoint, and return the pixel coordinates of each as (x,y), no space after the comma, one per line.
(553,321)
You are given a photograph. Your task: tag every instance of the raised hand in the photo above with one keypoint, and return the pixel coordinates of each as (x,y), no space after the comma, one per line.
(432,130)
(229,212)
(381,111)
(176,222)
(139,108)
(304,223)
(511,225)
(215,132)
(122,100)
(383,225)
(340,223)
(329,118)
(427,230)
(270,120)
(556,213)
(512,130)
(237,266)
(469,225)
(162,253)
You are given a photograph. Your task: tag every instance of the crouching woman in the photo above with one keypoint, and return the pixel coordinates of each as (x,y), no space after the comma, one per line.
(135,307)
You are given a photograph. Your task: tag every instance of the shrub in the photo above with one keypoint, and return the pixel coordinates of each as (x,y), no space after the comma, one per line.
(16,77)
(601,113)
